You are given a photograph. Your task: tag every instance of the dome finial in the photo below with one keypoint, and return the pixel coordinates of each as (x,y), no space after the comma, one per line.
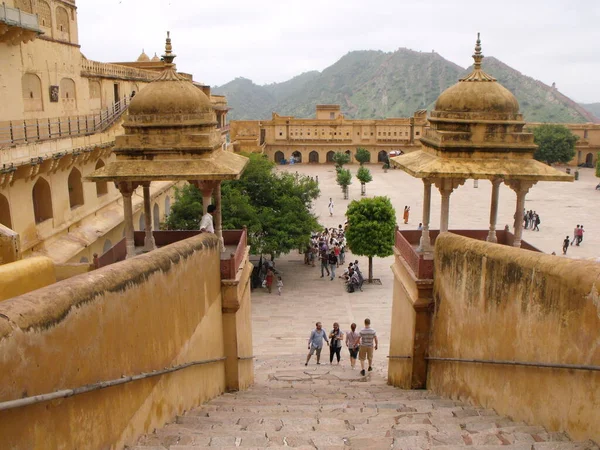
(168,57)
(477,56)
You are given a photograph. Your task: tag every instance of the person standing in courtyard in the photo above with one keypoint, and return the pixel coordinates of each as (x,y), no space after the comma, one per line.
(315,343)
(368,342)
(335,347)
(406,214)
(332,259)
(330,207)
(279,285)
(575,235)
(269,279)
(566,245)
(352,340)
(324,260)
(206,223)
(580,234)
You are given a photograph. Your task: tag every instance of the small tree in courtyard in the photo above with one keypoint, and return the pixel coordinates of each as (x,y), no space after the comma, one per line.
(344,179)
(598,165)
(556,143)
(340,158)
(362,155)
(364,176)
(371,227)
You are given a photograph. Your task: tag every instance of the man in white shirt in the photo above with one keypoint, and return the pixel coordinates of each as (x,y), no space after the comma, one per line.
(206,223)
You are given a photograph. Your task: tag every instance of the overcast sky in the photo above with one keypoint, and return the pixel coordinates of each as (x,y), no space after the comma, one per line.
(271,41)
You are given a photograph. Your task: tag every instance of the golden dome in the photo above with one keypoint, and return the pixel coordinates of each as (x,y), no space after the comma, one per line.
(143,57)
(169,94)
(155,58)
(478,92)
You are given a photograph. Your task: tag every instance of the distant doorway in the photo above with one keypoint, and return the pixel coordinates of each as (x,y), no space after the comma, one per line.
(589,160)
(313,157)
(116,92)
(297,157)
(329,157)
(382,156)
(279,156)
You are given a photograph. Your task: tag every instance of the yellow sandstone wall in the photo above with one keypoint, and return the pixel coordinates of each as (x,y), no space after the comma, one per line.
(500,303)
(150,312)
(24,276)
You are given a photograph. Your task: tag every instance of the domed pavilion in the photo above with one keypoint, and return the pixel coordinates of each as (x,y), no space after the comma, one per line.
(170,134)
(476,132)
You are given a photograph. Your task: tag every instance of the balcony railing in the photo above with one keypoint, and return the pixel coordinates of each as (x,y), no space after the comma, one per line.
(17,18)
(17,132)
(106,70)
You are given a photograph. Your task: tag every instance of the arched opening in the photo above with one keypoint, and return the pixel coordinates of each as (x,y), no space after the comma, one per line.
(62,23)
(313,157)
(83,260)
(382,156)
(31,86)
(167,205)
(24,5)
(42,201)
(75,188)
(330,156)
(297,156)
(156,217)
(44,14)
(5,212)
(142,222)
(68,94)
(101,186)
(107,246)
(589,160)
(279,156)
(95,92)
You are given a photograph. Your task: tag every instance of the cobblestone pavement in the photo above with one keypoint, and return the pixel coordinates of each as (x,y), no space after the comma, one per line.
(333,407)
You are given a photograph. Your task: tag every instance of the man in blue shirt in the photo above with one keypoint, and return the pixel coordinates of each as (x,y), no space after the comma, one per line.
(315,342)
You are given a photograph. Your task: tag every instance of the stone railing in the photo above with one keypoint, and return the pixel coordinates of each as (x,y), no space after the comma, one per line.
(105,70)
(17,18)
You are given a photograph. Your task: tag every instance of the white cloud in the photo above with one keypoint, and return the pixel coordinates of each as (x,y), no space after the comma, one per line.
(271,41)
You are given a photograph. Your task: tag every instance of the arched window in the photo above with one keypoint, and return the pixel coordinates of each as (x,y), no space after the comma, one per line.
(101,186)
(142,222)
(589,160)
(24,5)
(313,157)
(297,156)
(42,201)
(44,14)
(62,23)
(167,205)
(107,246)
(31,86)
(95,89)
(330,156)
(279,156)
(75,188)
(67,89)
(156,217)
(5,212)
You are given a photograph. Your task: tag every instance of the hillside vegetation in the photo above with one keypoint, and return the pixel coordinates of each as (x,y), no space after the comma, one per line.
(376,84)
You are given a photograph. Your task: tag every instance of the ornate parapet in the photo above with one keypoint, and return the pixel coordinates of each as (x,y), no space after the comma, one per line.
(114,71)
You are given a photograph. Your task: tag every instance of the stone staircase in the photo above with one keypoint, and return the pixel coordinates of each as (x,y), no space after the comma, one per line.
(333,408)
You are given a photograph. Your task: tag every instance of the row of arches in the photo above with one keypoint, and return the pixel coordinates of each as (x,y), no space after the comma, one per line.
(31,88)
(314,157)
(155,215)
(41,196)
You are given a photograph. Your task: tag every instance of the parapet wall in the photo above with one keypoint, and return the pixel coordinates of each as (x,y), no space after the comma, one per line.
(497,303)
(151,312)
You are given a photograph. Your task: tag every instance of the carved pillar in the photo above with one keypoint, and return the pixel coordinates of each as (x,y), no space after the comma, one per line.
(127,188)
(494,210)
(425,243)
(446,186)
(521,188)
(149,243)
(218,216)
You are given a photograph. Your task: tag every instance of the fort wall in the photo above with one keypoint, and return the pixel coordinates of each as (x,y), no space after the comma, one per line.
(497,303)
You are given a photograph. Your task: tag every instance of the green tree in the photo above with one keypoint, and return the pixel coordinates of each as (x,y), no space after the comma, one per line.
(364,176)
(556,143)
(340,158)
(362,155)
(371,227)
(276,207)
(344,179)
(598,165)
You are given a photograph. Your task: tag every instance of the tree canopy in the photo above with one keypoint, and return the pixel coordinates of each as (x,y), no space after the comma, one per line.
(275,206)
(340,158)
(344,179)
(371,227)
(362,155)
(556,143)
(364,176)
(598,166)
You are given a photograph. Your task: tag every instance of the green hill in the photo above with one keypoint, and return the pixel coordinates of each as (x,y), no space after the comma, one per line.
(376,84)
(594,108)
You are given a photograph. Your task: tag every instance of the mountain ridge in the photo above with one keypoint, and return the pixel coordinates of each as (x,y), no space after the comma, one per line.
(376,84)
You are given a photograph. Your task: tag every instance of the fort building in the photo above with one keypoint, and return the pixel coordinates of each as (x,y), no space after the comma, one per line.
(317,140)
(59,117)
